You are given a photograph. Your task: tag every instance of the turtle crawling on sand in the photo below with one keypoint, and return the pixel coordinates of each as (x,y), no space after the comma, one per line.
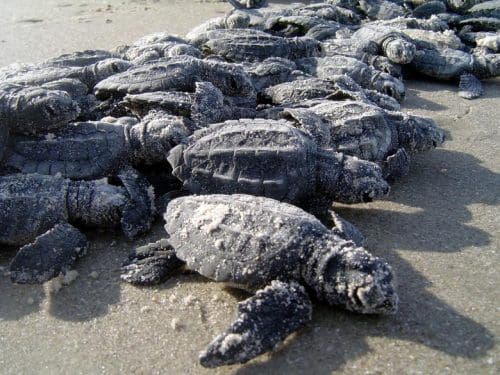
(35,211)
(273,159)
(259,244)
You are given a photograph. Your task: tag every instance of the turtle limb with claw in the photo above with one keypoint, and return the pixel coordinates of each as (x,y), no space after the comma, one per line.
(272,249)
(39,212)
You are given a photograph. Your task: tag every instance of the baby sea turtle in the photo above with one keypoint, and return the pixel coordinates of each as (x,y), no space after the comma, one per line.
(35,211)
(34,75)
(269,248)
(35,110)
(368,132)
(336,87)
(238,45)
(361,73)
(178,73)
(453,64)
(273,159)
(96,149)
(392,43)
(205,106)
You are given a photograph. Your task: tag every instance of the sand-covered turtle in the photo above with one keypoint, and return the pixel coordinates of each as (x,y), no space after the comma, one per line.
(96,149)
(178,73)
(336,87)
(367,53)
(361,73)
(453,64)
(38,74)
(391,42)
(39,212)
(382,9)
(273,159)
(35,110)
(205,106)
(238,45)
(371,133)
(272,249)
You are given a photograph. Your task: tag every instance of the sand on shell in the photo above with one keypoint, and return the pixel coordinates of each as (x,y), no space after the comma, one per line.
(439,229)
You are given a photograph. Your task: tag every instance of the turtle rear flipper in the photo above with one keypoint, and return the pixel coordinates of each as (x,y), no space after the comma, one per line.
(137,214)
(470,87)
(262,321)
(151,264)
(51,253)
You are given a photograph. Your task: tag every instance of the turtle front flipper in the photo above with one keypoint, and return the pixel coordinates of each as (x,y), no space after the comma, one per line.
(262,321)
(151,264)
(396,165)
(48,255)
(137,213)
(470,87)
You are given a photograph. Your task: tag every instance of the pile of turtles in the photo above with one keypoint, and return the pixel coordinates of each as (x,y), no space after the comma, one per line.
(241,134)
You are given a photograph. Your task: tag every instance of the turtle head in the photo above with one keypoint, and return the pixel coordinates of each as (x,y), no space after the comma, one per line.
(348,179)
(418,133)
(351,277)
(155,135)
(387,84)
(399,50)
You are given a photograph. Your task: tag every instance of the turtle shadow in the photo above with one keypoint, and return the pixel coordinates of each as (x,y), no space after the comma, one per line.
(429,206)
(415,101)
(17,300)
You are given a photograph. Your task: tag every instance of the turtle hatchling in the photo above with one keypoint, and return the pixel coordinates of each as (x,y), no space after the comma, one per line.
(36,211)
(273,159)
(269,248)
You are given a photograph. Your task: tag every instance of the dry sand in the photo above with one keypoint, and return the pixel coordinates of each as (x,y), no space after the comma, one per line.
(439,229)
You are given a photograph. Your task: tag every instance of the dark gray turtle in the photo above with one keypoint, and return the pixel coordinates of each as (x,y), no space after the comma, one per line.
(80,58)
(452,64)
(392,43)
(247,4)
(233,20)
(382,9)
(35,110)
(155,46)
(481,23)
(34,75)
(367,53)
(268,248)
(238,45)
(485,9)
(429,8)
(425,39)
(272,71)
(336,87)
(177,74)
(205,106)
(370,133)
(35,211)
(361,73)
(292,26)
(90,150)
(273,159)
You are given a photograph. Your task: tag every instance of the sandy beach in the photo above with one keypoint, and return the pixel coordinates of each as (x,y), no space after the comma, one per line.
(439,229)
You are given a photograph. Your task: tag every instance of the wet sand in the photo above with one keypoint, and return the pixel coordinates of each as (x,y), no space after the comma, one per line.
(439,229)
